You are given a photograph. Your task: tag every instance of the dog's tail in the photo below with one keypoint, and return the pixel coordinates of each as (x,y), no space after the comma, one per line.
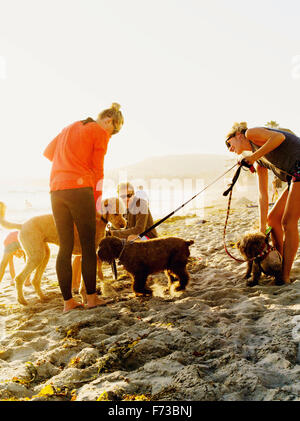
(6,224)
(189,243)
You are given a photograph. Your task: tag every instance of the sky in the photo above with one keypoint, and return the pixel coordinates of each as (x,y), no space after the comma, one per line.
(183,71)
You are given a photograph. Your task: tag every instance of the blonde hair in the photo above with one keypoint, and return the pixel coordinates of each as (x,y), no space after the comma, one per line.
(237,128)
(125,187)
(116,115)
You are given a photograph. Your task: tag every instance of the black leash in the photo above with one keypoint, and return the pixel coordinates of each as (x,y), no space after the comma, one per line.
(184,204)
(241,164)
(113,264)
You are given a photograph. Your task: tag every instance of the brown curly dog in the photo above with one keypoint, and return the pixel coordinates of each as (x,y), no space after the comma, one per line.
(142,258)
(261,257)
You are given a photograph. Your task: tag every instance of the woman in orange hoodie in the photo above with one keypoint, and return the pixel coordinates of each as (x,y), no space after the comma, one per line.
(76,179)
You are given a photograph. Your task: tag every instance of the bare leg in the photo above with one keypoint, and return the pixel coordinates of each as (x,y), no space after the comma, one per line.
(290,227)
(275,221)
(76,273)
(99,269)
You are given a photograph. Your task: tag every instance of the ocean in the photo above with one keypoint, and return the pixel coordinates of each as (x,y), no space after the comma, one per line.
(24,201)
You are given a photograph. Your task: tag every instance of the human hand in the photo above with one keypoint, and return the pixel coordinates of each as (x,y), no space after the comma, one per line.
(249,159)
(248,163)
(132,237)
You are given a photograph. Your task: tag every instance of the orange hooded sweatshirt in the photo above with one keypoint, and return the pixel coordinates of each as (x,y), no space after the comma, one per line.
(78,154)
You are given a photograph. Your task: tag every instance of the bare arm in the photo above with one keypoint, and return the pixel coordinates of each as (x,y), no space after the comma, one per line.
(140,222)
(262,174)
(140,226)
(266,139)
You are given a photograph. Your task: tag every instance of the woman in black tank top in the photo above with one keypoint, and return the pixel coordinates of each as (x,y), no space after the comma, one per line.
(278,151)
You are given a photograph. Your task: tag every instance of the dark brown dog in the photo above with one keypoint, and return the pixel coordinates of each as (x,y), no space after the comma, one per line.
(142,258)
(261,257)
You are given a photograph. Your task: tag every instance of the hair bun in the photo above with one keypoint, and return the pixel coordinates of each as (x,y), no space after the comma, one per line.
(237,127)
(115,106)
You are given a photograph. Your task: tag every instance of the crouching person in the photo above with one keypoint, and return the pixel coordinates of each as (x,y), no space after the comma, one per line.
(138,215)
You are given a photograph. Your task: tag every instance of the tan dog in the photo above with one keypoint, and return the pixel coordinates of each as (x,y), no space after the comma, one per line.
(37,232)
(261,257)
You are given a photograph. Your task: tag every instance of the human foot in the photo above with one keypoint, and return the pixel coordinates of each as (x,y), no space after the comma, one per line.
(94,301)
(71,305)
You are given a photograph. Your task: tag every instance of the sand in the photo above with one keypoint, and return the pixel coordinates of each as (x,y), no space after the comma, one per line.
(217,341)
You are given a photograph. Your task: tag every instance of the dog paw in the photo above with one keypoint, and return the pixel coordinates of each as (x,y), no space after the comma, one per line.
(22,301)
(179,288)
(143,292)
(251,283)
(279,281)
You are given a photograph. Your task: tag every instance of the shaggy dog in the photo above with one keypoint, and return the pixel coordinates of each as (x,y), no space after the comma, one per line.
(143,258)
(37,232)
(261,257)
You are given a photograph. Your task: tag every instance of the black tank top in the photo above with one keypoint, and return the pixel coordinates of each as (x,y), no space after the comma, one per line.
(284,159)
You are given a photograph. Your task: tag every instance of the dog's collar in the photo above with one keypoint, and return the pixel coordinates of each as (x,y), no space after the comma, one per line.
(103,219)
(263,253)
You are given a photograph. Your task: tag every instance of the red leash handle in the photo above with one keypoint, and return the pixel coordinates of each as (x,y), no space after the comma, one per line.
(224,232)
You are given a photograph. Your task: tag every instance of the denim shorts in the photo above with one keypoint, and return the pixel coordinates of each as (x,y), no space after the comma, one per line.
(295,177)
(296,172)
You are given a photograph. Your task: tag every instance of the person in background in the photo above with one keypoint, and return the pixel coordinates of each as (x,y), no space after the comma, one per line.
(140,193)
(138,214)
(12,248)
(278,151)
(77,155)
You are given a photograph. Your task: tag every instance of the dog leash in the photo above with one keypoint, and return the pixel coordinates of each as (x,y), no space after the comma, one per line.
(113,265)
(185,203)
(241,164)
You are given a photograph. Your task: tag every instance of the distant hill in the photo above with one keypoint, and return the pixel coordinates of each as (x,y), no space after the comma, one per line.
(193,166)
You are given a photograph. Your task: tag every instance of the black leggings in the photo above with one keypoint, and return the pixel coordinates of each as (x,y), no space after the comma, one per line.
(69,207)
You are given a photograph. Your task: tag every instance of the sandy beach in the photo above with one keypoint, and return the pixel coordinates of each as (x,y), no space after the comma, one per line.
(217,341)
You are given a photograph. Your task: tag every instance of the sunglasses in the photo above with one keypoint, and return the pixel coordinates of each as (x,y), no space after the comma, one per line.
(227,140)
(124,196)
